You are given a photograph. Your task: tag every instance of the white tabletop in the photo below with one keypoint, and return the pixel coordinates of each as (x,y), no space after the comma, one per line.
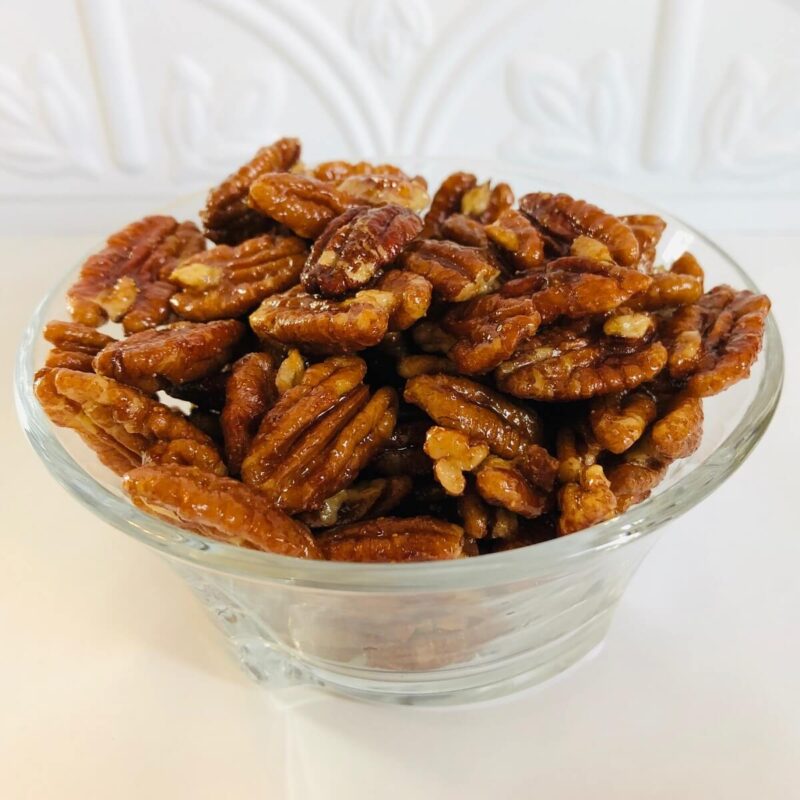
(114,684)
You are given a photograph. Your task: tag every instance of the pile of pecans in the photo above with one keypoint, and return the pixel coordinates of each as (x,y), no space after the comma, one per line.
(370,383)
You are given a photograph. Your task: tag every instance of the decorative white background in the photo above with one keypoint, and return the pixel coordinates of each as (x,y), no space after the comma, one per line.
(112,108)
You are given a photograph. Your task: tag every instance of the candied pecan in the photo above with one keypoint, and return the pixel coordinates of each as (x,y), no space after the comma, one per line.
(501,483)
(633,480)
(290,371)
(219,508)
(403,452)
(514,234)
(183,352)
(227,217)
(120,423)
(412,297)
(453,454)
(625,324)
(125,281)
(319,435)
(577,287)
(456,272)
(481,413)
(619,420)
(670,288)
(485,202)
(207,394)
(687,264)
(388,539)
(483,521)
(576,448)
(325,326)
(337,171)
(447,201)
(647,228)
(678,432)
(378,189)
(411,366)
(187,453)
(464,230)
(227,282)
(586,247)
(538,467)
(74,344)
(375,497)
(356,246)
(430,337)
(586,502)
(565,217)
(304,205)
(557,364)
(716,341)
(249,393)
(487,330)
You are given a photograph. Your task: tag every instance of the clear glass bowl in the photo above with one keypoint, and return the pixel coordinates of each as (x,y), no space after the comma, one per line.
(439,631)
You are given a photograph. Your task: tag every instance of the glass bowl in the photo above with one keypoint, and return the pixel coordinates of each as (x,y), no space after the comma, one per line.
(430,632)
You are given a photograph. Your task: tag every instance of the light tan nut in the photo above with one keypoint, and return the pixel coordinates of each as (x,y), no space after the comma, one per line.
(158,359)
(453,454)
(380,189)
(290,371)
(390,539)
(485,202)
(625,324)
(586,247)
(219,508)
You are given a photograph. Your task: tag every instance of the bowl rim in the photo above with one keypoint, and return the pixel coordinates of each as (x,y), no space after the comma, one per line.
(431,576)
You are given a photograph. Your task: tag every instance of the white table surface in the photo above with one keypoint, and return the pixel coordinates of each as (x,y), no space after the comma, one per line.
(114,684)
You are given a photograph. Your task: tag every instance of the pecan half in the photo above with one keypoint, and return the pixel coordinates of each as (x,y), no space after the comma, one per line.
(125,282)
(502,483)
(74,344)
(558,364)
(227,216)
(219,508)
(681,285)
(304,205)
(453,454)
(403,452)
(464,230)
(447,201)
(647,228)
(337,171)
(456,272)
(227,282)
(389,539)
(481,413)
(412,297)
(565,217)
(484,521)
(378,189)
(586,502)
(319,435)
(249,393)
(368,498)
(619,420)
(120,423)
(157,359)
(356,246)
(514,234)
(485,202)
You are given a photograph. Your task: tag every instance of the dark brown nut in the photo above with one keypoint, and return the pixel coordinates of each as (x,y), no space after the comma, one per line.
(411,366)
(485,202)
(390,539)
(227,282)
(487,330)
(120,423)
(447,201)
(227,216)
(412,297)
(249,393)
(501,483)
(290,371)
(577,287)
(558,365)
(565,218)
(647,228)
(187,453)
(74,344)
(368,498)
(356,246)
(586,502)
(514,234)
(453,454)
(576,448)
(403,453)
(157,359)
(669,289)
(208,422)
(207,394)
(483,521)
(125,281)
(482,414)
(304,205)
(380,189)
(626,325)
(318,325)
(456,272)
(219,508)
(319,435)
(717,341)
(619,420)
(464,230)
(337,171)
(530,531)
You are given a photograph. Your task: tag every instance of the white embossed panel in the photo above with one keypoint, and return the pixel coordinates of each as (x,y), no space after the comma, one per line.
(109,108)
